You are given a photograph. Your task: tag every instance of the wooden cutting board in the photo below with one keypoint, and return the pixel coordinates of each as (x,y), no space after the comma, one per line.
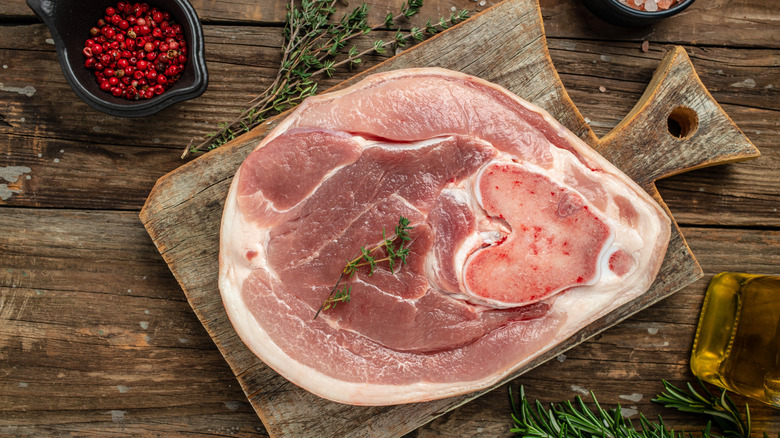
(675,127)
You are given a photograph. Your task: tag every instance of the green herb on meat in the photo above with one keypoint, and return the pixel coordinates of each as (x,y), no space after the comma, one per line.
(395,253)
(342,296)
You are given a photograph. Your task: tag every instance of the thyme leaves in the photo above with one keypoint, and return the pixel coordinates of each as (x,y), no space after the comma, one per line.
(315,45)
(396,250)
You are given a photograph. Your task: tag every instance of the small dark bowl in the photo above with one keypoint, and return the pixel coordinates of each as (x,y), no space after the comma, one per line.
(69,22)
(614,12)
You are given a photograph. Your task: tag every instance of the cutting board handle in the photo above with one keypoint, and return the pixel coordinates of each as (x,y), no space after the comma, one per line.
(675,127)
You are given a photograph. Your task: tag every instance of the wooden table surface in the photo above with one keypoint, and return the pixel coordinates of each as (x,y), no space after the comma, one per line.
(97,338)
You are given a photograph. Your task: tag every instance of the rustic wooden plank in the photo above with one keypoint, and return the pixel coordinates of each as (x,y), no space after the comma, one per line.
(72,342)
(675,95)
(72,255)
(732,76)
(178,197)
(15,9)
(270,12)
(41,104)
(624,70)
(97,338)
(55,173)
(711,22)
(739,77)
(630,359)
(53,119)
(277,401)
(741,194)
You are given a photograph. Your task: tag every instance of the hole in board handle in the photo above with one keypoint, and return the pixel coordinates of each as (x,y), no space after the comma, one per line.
(682,122)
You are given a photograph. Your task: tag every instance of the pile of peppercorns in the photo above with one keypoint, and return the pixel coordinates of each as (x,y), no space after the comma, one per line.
(136,51)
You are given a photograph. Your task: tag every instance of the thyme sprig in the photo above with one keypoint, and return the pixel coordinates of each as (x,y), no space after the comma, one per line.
(342,296)
(395,253)
(566,419)
(315,45)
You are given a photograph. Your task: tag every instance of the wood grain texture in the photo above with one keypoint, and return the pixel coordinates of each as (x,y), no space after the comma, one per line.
(96,337)
(674,125)
(60,375)
(708,22)
(625,364)
(278,402)
(100,153)
(720,194)
(63,371)
(197,191)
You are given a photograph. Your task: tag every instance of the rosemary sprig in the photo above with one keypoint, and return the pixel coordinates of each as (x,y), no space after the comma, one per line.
(395,255)
(720,409)
(565,419)
(314,45)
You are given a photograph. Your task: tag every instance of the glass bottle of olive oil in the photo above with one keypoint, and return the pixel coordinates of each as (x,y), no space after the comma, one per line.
(737,345)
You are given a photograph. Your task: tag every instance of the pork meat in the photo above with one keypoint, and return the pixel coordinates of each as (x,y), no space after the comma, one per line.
(522,236)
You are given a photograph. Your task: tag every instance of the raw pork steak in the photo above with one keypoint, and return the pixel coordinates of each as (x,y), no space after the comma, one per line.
(522,235)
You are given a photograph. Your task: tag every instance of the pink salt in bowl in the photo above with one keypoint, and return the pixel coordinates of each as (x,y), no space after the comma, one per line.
(619,13)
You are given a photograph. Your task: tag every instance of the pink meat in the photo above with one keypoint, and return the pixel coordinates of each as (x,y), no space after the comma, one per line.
(522,235)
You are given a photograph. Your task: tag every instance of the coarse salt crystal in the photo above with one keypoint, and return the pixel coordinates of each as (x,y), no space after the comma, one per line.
(650,5)
(631,4)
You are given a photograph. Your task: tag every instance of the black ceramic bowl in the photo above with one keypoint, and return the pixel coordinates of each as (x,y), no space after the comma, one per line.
(69,22)
(615,12)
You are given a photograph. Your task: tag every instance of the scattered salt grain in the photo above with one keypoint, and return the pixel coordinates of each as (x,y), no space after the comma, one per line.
(580,389)
(645,46)
(117,416)
(628,412)
(232,405)
(602,89)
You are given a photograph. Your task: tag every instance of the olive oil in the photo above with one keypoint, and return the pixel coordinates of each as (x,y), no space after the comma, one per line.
(737,345)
